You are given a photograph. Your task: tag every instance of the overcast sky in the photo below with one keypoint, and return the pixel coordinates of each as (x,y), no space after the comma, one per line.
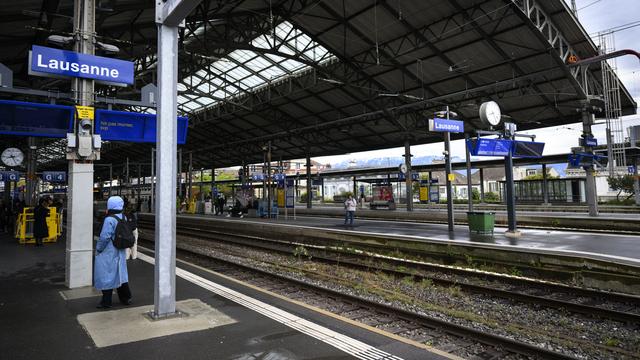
(595,16)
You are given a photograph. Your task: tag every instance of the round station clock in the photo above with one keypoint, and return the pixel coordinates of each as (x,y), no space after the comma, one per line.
(12,157)
(490,113)
(403,168)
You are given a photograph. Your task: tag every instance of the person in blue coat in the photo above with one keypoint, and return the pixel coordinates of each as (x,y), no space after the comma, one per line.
(110,263)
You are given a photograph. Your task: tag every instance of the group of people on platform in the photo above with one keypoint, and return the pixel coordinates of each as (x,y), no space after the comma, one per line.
(9,213)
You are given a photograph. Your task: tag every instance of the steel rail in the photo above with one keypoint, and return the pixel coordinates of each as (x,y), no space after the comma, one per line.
(626,317)
(425,320)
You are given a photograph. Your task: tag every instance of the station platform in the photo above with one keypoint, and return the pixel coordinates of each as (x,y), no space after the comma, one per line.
(609,245)
(42,319)
(570,220)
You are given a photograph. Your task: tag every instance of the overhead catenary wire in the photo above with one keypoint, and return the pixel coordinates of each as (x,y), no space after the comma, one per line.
(589,4)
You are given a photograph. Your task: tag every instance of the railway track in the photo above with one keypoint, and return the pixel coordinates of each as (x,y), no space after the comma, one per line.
(612,306)
(355,259)
(446,336)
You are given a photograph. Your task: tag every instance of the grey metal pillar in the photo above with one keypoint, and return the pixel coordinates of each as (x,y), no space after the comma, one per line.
(189,181)
(447,162)
(592,198)
(355,187)
(609,151)
(308,181)
(180,173)
(110,179)
(636,182)
(127,180)
(469,186)
(408,179)
(269,179)
(510,193)
(545,188)
(31,179)
(139,182)
(200,187)
(152,206)
(164,295)
(481,185)
(79,244)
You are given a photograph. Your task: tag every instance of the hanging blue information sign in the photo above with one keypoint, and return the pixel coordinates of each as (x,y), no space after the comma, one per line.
(34,119)
(489,147)
(527,149)
(54,176)
(46,61)
(133,127)
(588,141)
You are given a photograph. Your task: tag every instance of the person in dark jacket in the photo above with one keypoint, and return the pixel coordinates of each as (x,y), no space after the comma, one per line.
(131,212)
(40,214)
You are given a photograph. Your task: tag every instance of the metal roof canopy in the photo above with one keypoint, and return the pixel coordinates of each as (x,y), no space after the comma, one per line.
(388,66)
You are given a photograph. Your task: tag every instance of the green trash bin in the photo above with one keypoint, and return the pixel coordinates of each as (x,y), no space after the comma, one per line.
(481,222)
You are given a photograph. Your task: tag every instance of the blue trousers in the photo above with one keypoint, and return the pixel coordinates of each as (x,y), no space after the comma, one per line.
(348,216)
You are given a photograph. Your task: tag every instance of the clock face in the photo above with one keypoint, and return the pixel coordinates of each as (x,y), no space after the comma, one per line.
(490,113)
(12,157)
(403,168)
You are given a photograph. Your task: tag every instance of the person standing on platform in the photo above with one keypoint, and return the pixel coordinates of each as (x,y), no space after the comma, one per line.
(216,205)
(40,214)
(110,271)
(350,209)
(131,213)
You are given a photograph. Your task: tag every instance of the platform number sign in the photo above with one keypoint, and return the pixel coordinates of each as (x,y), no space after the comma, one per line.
(9,176)
(631,169)
(54,176)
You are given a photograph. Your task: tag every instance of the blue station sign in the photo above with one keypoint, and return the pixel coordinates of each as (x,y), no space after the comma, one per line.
(9,176)
(133,127)
(54,176)
(588,141)
(444,125)
(414,176)
(46,61)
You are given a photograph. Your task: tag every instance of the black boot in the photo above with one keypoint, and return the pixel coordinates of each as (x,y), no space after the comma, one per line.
(105,302)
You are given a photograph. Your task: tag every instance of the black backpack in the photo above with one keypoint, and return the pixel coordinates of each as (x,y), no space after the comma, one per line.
(123,238)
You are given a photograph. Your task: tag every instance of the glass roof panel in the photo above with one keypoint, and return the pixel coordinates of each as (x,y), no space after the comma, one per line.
(245,70)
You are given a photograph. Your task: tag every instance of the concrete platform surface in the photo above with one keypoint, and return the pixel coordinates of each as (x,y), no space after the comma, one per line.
(42,319)
(626,247)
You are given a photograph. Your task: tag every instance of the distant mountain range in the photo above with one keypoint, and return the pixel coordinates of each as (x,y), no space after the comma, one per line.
(393,161)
